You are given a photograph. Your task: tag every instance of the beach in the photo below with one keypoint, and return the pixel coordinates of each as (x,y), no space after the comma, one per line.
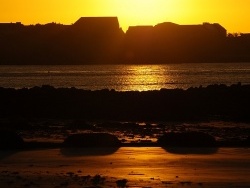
(39,120)
(140,166)
(120,94)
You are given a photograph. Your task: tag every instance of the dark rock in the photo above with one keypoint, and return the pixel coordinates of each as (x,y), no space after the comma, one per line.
(187,139)
(92,140)
(246,142)
(10,140)
(97,179)
(121,183)
(230,103)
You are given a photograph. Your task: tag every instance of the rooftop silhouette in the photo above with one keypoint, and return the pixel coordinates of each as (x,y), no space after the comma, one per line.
(92,40)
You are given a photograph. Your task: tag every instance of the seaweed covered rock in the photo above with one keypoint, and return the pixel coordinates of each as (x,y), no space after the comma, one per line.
(187,139)
(10,140)
(92,140)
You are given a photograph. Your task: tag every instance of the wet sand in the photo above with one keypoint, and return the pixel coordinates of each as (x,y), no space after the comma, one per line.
(140,166)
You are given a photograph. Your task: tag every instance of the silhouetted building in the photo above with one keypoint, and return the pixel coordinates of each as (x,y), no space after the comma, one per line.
(138,42)
(7,26)
(101,40)
(96,39)
(170,42)
(95,24)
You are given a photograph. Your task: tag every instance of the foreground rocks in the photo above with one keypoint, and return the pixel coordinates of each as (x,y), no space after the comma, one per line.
(194,104)
(10,140)
(187,139)
(92,140)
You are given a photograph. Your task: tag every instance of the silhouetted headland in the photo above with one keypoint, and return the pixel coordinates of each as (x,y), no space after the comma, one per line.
(94,40)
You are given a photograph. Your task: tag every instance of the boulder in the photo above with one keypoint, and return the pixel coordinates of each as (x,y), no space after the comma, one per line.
(187,139)
(91,140)
(10,140)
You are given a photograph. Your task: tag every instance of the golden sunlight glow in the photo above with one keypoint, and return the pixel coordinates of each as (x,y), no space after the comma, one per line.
(145,12)
(145,77)
(234,16)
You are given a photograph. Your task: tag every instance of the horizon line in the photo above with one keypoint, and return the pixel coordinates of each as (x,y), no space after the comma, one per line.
(53,22)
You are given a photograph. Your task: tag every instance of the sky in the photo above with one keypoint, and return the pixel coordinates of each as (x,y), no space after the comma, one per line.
(231,14)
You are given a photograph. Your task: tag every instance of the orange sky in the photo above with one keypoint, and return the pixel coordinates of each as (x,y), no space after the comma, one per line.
(233,15)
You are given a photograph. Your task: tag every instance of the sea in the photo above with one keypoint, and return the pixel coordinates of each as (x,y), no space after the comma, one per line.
(124,77)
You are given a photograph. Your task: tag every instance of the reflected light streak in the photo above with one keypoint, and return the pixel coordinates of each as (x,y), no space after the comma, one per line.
(145,77)
(141,166)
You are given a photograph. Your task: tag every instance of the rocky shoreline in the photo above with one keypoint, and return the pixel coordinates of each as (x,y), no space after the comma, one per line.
(214,102)
(171,141)
(45,116)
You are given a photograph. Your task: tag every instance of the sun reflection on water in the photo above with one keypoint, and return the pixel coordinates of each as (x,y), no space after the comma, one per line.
(145,77)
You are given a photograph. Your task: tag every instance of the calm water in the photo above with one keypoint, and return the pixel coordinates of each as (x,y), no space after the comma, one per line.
(125,77)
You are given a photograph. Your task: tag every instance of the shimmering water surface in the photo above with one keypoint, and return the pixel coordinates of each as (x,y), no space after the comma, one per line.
(125,77)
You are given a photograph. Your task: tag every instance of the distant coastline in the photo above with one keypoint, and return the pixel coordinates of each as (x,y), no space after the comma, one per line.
(100,40)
